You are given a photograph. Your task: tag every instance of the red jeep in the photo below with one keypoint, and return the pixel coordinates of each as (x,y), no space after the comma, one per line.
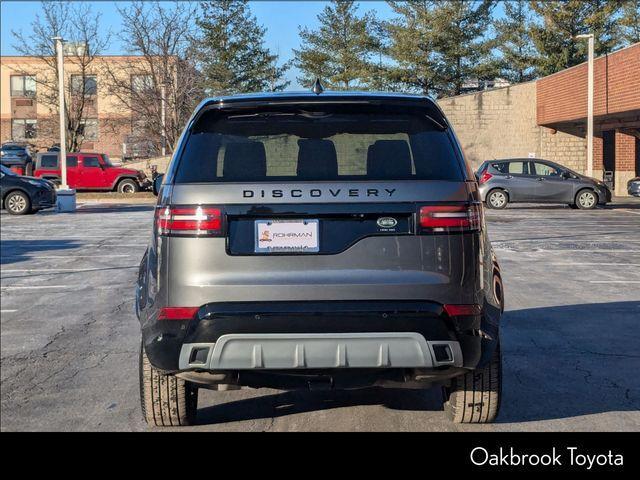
(91,171)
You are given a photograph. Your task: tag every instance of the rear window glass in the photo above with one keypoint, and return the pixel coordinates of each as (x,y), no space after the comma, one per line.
(49,161)
(316,146)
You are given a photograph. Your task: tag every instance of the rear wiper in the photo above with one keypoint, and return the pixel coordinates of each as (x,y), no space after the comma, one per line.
(440,126)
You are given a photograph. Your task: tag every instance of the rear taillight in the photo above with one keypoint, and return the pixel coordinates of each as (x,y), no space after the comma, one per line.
(441,218)
(462,310)
(177,313)
(191,220)
(486,176)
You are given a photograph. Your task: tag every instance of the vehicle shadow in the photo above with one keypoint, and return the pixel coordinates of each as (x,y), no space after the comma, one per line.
(567,361)
(301,401)
(14,251)
(559,362)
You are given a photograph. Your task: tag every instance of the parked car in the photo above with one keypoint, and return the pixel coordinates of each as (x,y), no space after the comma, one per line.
(91,171)
(633,187)
(22,195)
(17,157)
(318,241)
(532,180)
(54,148)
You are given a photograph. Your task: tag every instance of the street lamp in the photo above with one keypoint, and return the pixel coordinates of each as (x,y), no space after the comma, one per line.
(163,114)
(590,38)
(66,196)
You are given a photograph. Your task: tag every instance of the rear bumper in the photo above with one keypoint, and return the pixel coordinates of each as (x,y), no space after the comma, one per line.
(320,351)
(261,336)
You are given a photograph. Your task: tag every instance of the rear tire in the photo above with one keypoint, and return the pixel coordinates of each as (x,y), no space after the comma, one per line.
(475,396)
(127,186)
(586,199)
(497,199)
(166,400)
(17,203)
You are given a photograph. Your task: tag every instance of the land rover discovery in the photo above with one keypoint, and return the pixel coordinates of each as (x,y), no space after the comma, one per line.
(319,241)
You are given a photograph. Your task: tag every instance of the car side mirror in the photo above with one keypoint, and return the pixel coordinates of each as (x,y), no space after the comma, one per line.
(157,183)
(565,175)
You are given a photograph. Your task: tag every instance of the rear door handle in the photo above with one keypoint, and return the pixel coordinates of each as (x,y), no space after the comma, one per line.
(508,177)
(540,179)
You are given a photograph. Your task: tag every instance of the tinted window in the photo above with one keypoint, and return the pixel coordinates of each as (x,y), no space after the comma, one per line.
(49,161)
(317,145)
(90,162)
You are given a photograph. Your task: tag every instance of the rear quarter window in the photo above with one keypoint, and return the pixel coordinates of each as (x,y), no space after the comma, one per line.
(49,161)
(317,146)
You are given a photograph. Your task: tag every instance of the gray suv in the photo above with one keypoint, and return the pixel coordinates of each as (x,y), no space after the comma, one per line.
(319,241)
(531,180)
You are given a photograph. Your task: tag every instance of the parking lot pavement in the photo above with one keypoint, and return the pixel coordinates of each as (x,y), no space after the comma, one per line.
(69,338)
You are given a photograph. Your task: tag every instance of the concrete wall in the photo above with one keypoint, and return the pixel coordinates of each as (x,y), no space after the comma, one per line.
(502,123)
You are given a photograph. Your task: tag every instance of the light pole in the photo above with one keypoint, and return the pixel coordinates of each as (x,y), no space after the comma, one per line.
(163,114)
(63,128)
(66,196)
(590,38)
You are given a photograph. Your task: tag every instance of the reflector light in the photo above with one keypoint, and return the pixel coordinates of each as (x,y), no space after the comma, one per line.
(177,313)
(460,310)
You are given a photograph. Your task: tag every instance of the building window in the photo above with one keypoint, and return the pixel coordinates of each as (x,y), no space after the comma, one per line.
(23,86)
(22,129)
(89,128)
(90,84)
(141,83)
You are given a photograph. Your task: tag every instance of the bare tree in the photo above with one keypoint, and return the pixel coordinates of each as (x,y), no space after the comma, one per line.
(85,40)
(160,36)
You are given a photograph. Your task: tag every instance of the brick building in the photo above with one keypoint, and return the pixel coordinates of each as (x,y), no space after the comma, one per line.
(547,118)
(26,116)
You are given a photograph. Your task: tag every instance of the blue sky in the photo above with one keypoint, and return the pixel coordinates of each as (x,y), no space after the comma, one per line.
(281,18)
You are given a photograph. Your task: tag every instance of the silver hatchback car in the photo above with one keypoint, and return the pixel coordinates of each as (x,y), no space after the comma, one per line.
(530,180)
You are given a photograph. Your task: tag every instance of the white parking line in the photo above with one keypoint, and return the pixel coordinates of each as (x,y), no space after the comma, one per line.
(547,250)
(600,264)
(33,287)
(61,256)
(20,270)
(8,311)
(614,281)
(57,245)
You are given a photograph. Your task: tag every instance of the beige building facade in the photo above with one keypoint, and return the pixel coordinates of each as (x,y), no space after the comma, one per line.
(27,113)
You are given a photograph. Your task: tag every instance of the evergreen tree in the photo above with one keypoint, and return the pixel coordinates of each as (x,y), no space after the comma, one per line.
(630,21)
(562,20)
(462,50)
(513,41)
(411,46)
(231,50)
(341,52)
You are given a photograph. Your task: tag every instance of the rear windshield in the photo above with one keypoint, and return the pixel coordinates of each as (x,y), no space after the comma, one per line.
(317,146)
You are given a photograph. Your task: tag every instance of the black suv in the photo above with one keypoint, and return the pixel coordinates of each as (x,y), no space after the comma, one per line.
(17,156)
(329,240)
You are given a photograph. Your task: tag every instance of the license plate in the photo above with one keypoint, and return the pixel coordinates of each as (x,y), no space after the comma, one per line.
(275,236)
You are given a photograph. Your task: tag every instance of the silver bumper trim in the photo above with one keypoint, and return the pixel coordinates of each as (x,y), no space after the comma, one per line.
(319,350)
